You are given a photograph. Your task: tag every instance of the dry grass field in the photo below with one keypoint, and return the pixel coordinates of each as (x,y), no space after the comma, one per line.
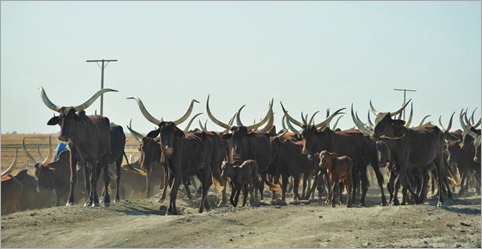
(34,141)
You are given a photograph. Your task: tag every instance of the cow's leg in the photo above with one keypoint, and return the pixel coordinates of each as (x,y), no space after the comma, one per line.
(391,187)
(334,188)
(186,183)
(380,183)
(236,196)
(424,187)
(284,186)
(296,182)
(356,185)
(401,178)
(73,180)
(103,165)
(463,182)
(164,182)
(440,173)
(365,183)
(245,194)
(233,192)
(206,182)
(348,187)
(117,180)
(175,187)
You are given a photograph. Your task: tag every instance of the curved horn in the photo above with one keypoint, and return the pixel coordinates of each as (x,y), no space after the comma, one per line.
(423,120)
(472,116)
(216,121)
(410,117)
(467,121)
(450,122)
(359,124)
(336,122)
(186,115)
(270,122)
(370,121)
(190,122)
(440,123)
(312,118)
(50,154)
(304,119)
(291,127)
(476,124)
(238,118)
(42,158)
(10,168)
(375,112)
(283,123)
(327,121)
(28,154)
(201,125)
(144,111)
(92,99)
(291,119)
(465,128)
(401,109)
(327,112)
(266,118)
(47,101)
(136,134)
(205,125)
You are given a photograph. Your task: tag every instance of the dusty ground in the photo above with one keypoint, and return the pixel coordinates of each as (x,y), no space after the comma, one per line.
(308,224)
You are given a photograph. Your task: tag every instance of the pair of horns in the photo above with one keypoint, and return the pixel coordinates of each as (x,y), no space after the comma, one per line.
(375,112)
(465,126)
(10,168)
(322,125)
(47,160)
(155,121)
(78,108)
(268,118)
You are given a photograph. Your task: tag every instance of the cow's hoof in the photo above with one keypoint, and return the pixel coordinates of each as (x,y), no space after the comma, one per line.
(333,205)
(384,204)
(163,210)
(106,204)
(69,204)
(440,204)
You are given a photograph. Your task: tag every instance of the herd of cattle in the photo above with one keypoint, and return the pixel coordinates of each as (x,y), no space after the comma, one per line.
(246,157)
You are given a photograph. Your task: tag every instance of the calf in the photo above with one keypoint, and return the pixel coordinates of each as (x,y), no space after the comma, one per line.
(243,177)
(339,169)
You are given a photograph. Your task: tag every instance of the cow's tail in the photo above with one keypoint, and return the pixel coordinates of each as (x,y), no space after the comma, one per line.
(137,171)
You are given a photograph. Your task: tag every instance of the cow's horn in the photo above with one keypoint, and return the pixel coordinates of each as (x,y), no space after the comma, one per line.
(283,123)
(42,158)
(136,134)
(47,101)
(450,122)
(326,122)
(291,127)
(50,154)
(238,116)
(26,152)
(370,121)
(201,125)
(465,128)
(375,112)
(92,99)
(144,111)
(10,168)
(359,124)
(423,119)
(190,122)
(186,115)
(312,119)
(400,110)
(264,120)
(336,122)
(291,119)
(476,124)
(270,122)
(472,116)
(216,121)
(410,117)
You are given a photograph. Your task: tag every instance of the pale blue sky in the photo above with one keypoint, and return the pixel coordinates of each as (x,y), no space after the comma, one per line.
(309,55)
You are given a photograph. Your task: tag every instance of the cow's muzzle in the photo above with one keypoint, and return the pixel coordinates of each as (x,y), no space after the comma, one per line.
(168,151)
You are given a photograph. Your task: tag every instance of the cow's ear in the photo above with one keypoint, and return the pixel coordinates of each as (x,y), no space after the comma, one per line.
(226,136)
(153,134)
(179,133)
(333,154)
(317,154)
(82,114)
(398,122)
(53,121)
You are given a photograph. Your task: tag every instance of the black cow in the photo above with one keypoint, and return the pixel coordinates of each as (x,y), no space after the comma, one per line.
(89,140)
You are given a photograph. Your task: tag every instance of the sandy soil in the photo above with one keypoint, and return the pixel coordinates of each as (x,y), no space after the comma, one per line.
(308,224)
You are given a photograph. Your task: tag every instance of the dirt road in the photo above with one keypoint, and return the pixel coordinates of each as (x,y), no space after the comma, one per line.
(308,224)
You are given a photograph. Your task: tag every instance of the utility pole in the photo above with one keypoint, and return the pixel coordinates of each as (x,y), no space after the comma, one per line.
(404,97)
(104,65)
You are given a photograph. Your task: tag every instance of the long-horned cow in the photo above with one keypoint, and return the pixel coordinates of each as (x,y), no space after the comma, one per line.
(89,142)
(11,189)
(421,146)
(185,153)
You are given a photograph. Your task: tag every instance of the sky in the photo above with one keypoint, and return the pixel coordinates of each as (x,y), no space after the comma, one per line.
(309,55)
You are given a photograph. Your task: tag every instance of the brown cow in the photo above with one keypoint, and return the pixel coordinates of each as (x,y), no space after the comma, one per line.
(11,189)
(339,170)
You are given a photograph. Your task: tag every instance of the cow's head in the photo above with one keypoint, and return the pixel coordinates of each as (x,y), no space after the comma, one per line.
(315,136)
(386,127)
(168,133)
(326,159)
(240,132)
(43,171)
(227,170)
(383,153)
(69,117)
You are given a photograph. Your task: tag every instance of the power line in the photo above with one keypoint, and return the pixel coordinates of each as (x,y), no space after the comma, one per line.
(404,97)
(104,65)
